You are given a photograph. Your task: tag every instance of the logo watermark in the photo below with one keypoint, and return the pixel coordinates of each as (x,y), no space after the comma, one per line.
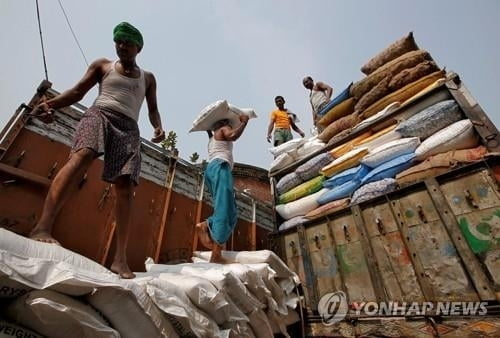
(333,308)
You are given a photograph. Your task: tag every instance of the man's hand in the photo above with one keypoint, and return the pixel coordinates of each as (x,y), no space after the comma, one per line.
(269,138)
(302,134)
(244,118)
(43,112)
(159,135)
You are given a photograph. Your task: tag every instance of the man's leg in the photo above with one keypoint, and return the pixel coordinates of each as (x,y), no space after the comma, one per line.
(61,188)
(124,191)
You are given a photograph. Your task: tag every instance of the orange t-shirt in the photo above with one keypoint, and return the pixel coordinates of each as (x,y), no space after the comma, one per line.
(280,119)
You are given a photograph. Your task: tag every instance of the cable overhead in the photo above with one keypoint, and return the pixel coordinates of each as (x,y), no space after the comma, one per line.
(41,41)
(72,32)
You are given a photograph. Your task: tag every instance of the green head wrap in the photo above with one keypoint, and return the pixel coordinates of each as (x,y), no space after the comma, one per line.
(126,32)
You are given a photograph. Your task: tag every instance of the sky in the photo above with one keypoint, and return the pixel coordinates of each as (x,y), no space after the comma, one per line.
(246,52)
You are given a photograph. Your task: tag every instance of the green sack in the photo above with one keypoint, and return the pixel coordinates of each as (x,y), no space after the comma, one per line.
(304,189)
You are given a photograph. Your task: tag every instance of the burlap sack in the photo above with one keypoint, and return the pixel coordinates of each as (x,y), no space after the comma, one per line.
(338,126)
(327,209)
(342,109)
(407,60)
(403,94)
(441,163)
(398,48)
(376,93)
(412,74)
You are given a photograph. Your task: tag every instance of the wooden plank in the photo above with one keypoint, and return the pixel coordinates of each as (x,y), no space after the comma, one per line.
(483,125)
(25,175)
(308,268)
(481,231)
(351,258)
(473,192)
(373,267)
(471,263)
(410,245)
(197,218)
(323,259)
(166,206)
(398,274)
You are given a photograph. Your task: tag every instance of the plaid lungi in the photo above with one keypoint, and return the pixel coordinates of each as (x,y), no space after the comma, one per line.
(114,135)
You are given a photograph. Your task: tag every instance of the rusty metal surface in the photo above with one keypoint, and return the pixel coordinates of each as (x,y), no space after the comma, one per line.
(86,223)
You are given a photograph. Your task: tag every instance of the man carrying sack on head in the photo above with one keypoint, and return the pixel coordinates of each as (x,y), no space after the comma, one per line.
(108,127)
(217,229)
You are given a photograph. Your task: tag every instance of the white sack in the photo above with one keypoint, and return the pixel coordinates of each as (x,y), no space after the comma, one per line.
(281,161)
(390,150)
(299,207)
(131,311)
(220,110)
(380,141)
(290,146)
(459,135)
(42,265)
(188,320)
(311,146)
(203,294)
(58,316)
(253,257)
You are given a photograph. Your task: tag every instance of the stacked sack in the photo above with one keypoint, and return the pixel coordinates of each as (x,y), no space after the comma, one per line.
(373,164)
(394,76)
(293,151)
(46,290)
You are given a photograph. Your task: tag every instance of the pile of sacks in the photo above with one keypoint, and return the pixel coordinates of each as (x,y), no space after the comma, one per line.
(293,151)
(373,164)
(46,290)
(395,75)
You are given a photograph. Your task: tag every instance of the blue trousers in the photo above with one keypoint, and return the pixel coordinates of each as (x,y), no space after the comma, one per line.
(219,180)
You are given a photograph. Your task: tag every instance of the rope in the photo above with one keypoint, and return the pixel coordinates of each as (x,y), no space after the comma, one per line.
(41,41)
(72,32)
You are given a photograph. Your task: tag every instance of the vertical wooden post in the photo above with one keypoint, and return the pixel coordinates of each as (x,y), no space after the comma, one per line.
(199,207)
(166,205)
(253,234)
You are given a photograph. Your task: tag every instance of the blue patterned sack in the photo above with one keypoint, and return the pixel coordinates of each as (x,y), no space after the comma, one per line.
(374,189)
(356,173)
(339,192)
(389,169)
(288,182)
(430,120)
(311,168)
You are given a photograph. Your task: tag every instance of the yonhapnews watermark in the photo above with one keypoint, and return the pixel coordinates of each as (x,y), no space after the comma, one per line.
(333,308)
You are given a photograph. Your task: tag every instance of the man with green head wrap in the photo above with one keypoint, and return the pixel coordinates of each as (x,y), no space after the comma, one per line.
(108,127)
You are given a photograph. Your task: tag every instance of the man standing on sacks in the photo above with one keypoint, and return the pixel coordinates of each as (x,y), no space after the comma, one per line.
(108,127)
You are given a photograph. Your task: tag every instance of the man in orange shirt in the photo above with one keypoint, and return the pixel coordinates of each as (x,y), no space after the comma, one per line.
(281,121)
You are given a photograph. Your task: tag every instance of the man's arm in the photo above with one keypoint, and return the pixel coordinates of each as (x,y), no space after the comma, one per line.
(325,88)
(91,77)
(270,130)
(154,114)
(234,134)
(296,128)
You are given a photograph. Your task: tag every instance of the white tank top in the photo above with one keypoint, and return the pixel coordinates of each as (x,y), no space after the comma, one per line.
(121,94)
(220,149)
(318,98)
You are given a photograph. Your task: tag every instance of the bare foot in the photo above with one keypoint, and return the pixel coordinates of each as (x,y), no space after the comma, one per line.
(216,256)
(44,237)
(122,269)
(204,235)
